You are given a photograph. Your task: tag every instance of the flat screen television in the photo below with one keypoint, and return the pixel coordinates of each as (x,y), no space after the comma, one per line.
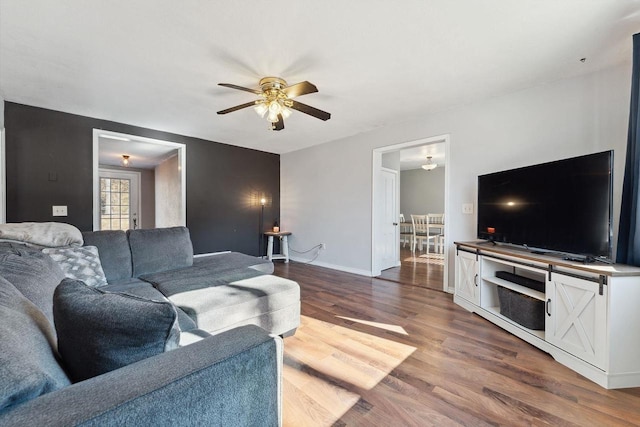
(563,206)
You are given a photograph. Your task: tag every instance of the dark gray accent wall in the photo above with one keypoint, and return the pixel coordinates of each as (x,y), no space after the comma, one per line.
(49,162)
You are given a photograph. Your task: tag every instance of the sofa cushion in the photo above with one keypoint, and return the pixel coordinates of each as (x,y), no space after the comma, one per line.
(146,290)
(160,249)
(233,259)
(264,298)
(28,365)
(33,273)
(115,255)
(100,331)
(214,270)
(80,263)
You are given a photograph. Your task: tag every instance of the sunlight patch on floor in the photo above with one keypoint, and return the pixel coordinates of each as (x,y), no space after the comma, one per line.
(436,259)
(325,362)
(393,328)
(323,402)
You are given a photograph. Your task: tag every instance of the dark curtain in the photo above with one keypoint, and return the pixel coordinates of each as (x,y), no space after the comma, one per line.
(629,231)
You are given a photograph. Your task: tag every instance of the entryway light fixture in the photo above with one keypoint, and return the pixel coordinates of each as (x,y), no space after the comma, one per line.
(125,162)
(429,166)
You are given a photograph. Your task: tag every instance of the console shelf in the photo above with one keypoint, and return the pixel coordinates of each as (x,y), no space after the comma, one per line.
(496,312)
(515,287)
(589,323)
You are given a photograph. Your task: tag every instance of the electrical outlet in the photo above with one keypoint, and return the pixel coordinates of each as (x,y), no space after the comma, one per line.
(467,208)
(323,246)
(59,211)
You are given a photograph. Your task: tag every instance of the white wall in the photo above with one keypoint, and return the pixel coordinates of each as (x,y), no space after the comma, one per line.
(421,192)
(326,189)
(168,194)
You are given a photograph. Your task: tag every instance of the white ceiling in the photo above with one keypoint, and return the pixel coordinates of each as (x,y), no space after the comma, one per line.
(156,63)
(415,157)
(142,154)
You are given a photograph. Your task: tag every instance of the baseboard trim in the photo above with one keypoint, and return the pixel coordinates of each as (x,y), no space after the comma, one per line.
(334,267)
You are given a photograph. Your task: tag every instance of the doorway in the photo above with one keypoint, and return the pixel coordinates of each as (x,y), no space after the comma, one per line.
(428,269)
(160,167)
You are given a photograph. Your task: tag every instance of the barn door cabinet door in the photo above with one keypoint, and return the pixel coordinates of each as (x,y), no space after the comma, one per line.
(468,277)
(576,317)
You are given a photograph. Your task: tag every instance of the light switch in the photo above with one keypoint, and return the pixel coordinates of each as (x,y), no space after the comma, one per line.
(59,211)
(467,208)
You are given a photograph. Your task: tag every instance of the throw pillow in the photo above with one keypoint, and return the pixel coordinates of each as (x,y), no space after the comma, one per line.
(101,331)
(33,273)
(28,365)
(80,263)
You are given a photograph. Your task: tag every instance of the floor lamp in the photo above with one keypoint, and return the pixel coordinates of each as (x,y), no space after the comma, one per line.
(261,228)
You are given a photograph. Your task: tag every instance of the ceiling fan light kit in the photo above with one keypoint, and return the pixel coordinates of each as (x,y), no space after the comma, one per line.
(274,100)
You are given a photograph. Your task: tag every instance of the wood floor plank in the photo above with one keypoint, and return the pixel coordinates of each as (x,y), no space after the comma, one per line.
(383,352)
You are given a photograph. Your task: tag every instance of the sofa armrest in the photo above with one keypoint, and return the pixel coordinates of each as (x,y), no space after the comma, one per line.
(233,378)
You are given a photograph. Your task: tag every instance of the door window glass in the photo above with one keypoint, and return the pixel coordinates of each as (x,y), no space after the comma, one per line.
(114,203)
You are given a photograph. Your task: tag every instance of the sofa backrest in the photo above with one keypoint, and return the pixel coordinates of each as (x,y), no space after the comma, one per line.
(124,255)
(115,255)
(160,249)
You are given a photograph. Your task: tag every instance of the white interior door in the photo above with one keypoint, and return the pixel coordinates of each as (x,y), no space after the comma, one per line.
(389,229)
(119,204)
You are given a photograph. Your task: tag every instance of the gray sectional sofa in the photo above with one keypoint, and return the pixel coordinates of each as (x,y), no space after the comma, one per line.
(216,292)
(226,365)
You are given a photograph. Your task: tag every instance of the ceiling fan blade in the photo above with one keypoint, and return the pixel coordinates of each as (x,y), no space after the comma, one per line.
(237,107)
(312,111)
(246,89)
(299,89)
(279,125)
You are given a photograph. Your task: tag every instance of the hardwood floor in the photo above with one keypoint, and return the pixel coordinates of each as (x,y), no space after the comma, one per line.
(417,269)
(374,352)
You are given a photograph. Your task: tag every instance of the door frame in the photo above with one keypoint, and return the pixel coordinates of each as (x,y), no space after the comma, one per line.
(375,228)
(119,173)
(182,162)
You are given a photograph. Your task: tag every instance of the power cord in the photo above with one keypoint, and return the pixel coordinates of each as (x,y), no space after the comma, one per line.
(316,247)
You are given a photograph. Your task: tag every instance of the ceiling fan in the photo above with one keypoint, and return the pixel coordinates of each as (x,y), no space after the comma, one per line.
(275,100)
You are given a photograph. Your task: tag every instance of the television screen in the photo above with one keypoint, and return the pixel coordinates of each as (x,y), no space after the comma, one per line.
(563,206)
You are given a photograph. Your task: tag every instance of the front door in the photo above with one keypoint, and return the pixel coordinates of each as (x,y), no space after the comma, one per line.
(119,200)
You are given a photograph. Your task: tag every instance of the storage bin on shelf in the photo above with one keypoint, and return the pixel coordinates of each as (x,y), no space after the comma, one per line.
(522,309)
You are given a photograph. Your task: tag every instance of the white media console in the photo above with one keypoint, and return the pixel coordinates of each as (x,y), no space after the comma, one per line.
(591,311)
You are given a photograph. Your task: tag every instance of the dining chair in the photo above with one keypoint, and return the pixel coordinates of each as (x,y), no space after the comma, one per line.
(421,232)
(436,227)
(406,232)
